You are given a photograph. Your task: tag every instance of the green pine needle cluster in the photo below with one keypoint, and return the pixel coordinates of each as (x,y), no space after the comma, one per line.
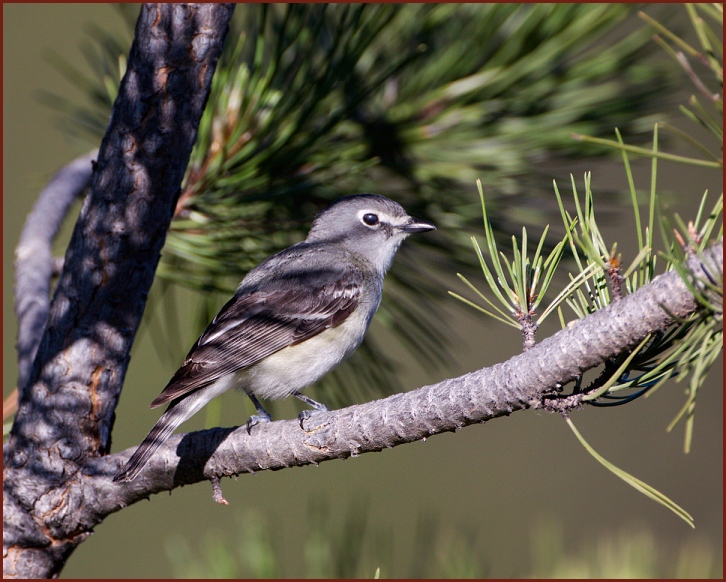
(687,349)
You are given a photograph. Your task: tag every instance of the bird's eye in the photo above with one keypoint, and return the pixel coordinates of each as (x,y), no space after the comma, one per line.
(370,219)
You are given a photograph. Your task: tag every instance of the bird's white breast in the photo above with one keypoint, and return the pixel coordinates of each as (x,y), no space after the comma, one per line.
(296,367)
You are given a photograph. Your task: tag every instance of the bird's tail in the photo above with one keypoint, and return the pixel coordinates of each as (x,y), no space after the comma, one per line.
(178,412)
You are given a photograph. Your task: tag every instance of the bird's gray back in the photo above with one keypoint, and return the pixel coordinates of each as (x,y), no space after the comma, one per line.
(317,264)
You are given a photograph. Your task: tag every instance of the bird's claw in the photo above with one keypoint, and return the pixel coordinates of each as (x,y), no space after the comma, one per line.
(307,414)
(256,419)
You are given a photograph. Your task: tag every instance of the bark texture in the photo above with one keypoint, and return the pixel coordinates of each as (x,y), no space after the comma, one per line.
(66,406)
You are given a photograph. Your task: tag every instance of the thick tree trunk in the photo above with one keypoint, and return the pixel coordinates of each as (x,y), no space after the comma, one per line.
(66,406)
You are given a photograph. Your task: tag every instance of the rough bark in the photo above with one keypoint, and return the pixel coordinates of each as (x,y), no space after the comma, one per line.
(66,407)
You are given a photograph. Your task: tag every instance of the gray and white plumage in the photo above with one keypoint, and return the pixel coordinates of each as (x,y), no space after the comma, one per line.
(293,318)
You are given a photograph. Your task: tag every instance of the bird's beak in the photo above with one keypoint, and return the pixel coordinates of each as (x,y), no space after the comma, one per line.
(415,225)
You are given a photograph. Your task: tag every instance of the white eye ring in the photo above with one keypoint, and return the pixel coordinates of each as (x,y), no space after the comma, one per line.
(370,219)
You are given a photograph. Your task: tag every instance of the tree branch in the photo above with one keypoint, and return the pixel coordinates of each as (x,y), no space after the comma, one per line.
(66,410)
(524,381)
(34,262)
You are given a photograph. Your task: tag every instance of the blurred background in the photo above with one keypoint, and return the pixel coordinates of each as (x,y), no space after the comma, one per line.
(515,497)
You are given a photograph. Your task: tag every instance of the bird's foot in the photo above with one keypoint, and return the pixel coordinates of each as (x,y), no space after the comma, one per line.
(308,414)
(257,419)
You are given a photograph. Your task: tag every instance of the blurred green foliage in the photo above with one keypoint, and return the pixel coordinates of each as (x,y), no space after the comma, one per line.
(414,101)
(351,548)
(703,68)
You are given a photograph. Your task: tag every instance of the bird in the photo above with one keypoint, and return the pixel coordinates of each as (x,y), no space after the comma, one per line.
(292,319)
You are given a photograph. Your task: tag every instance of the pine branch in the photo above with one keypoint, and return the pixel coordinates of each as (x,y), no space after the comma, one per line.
(34,263)
(529,380)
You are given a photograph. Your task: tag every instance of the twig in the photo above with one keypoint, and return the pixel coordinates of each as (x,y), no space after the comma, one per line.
(695,79)
(615,278)
(529,329)
(217,492)
(34,261)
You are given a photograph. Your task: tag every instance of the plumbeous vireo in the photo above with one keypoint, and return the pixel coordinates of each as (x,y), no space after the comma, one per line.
(293,318)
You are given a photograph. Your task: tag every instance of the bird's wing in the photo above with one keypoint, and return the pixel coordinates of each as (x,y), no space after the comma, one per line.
(252,326)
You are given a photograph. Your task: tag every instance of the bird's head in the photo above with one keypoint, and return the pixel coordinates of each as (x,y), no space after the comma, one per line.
(370,225)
